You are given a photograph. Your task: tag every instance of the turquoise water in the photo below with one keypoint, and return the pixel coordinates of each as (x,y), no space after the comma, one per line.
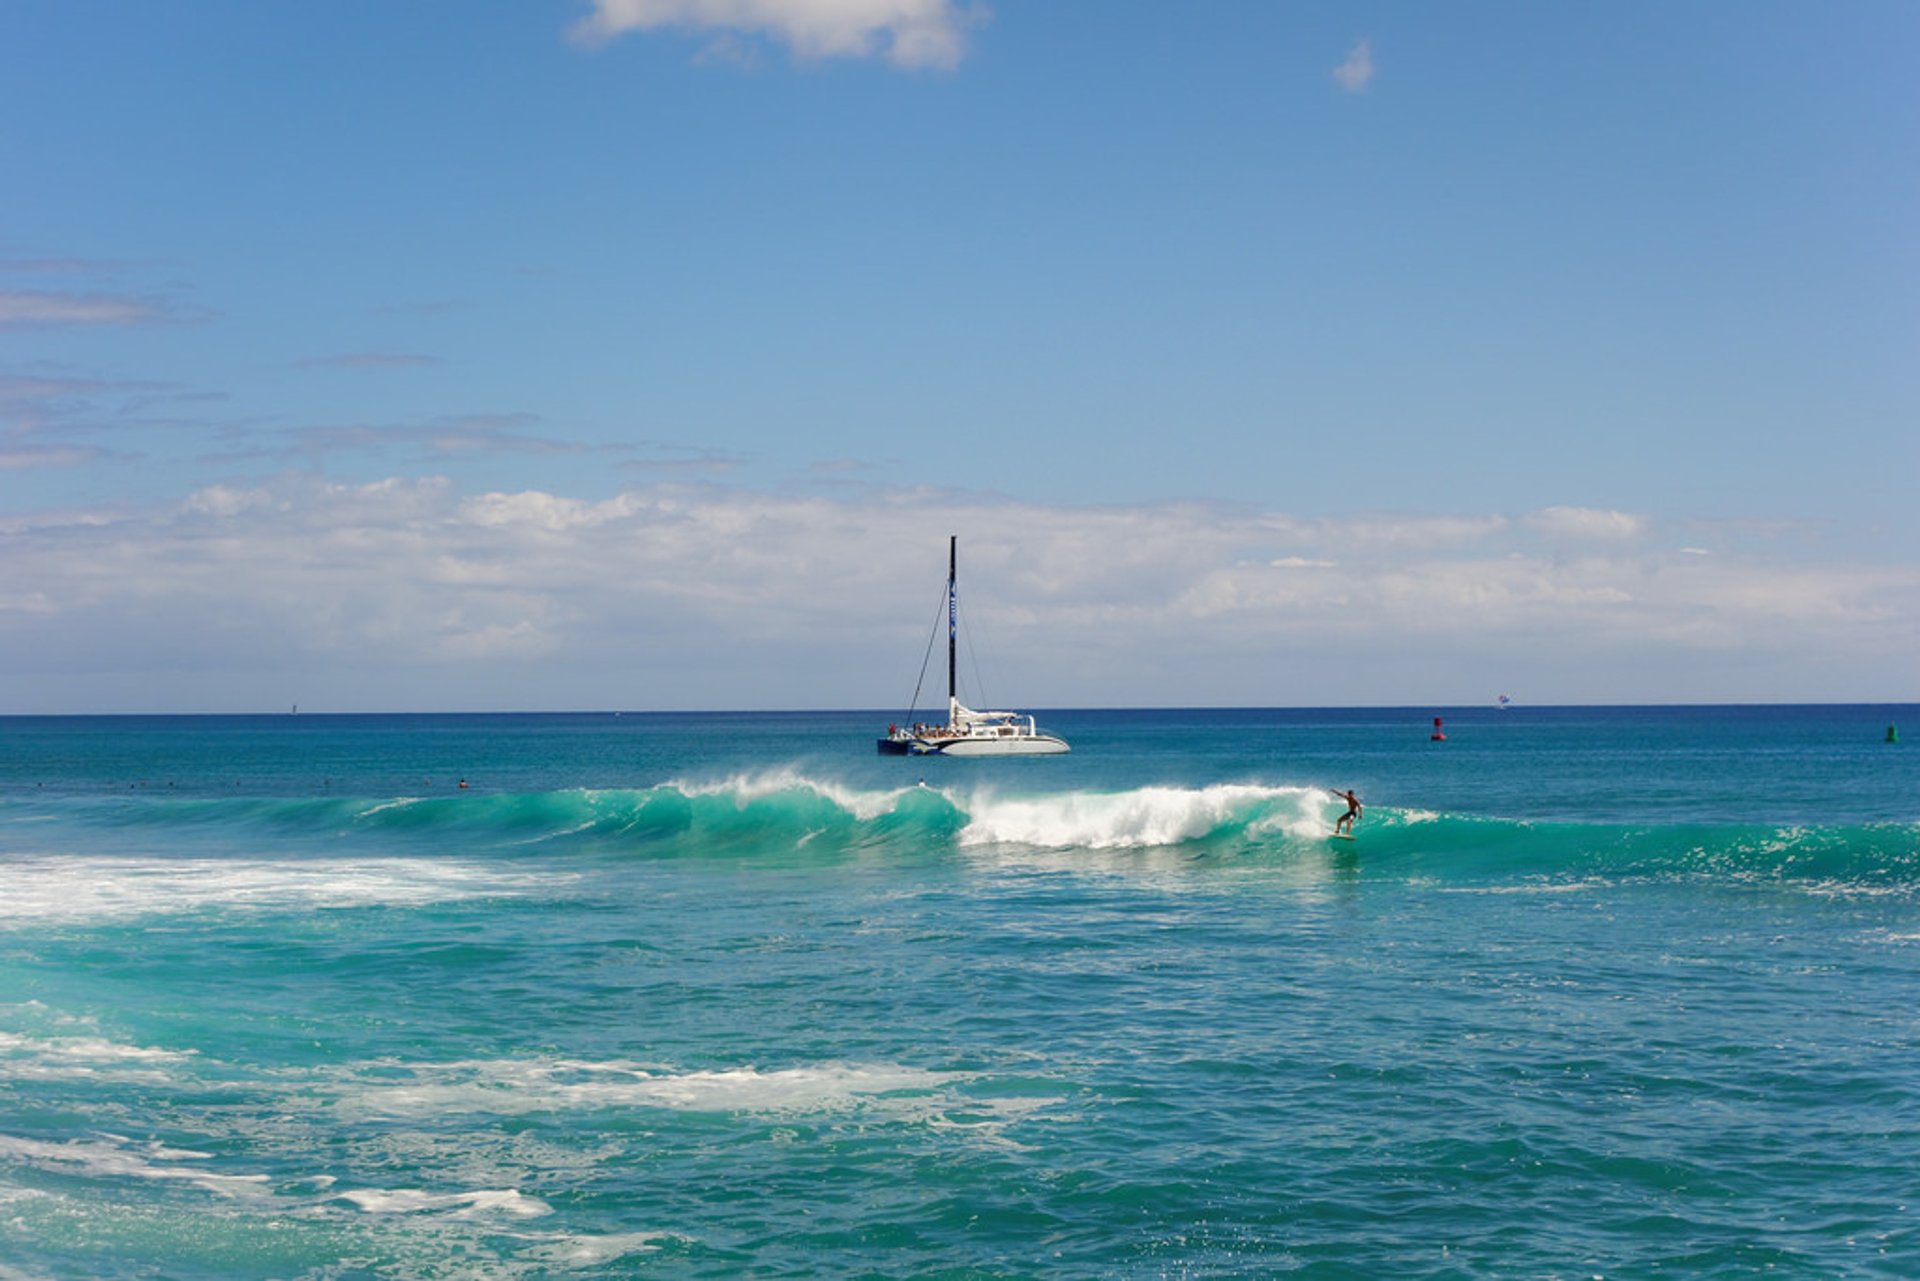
(1597,992)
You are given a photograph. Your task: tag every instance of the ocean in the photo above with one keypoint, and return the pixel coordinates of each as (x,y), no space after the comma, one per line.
(1596,992)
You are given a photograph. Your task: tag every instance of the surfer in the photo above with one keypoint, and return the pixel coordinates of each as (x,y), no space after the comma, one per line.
(1345,822)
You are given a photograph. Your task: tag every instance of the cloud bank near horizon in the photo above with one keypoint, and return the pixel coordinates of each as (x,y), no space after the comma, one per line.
(407,594)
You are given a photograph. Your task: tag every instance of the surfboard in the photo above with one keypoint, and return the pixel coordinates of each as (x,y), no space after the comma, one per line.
(1339,836)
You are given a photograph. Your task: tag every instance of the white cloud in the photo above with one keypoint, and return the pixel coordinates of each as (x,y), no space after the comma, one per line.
(1380,532)
(410,594)
(1590,523)
(535,510)
(224,501)
(907,33)
(1356,73)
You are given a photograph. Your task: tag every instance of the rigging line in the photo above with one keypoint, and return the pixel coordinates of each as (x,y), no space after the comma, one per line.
(926,658)
(979,694)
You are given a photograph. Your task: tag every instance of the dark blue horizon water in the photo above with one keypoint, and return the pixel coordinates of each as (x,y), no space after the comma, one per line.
(1623,992)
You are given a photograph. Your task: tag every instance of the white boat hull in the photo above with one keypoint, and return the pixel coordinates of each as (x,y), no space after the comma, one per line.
(1023,745)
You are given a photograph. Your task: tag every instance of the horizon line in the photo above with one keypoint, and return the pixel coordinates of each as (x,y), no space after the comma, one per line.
(1422,708)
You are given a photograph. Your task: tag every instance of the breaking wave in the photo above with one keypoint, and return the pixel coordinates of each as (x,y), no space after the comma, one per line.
(787,815)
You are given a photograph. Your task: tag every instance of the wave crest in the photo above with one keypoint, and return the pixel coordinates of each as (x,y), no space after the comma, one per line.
(785,814)
(1144,817)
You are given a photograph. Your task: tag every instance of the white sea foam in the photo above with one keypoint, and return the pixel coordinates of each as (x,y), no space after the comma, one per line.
(91,888)
(511,1086)
(85,1049)
(94,1058)
(592,1251)
(111,1157)
(485,1203)
(863,804)
(1143,817)
(1855,889)
(1409,818)
(397,803)
(1529,887)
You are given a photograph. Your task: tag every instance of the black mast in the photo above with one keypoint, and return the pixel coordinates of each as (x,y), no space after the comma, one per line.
(953,614)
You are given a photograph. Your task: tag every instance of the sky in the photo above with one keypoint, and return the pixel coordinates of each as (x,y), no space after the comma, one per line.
(643,354)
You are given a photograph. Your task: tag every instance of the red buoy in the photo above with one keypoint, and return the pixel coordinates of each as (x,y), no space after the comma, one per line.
(1438,736)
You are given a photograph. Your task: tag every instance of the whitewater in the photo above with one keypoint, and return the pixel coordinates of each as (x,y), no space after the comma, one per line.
(1595,992)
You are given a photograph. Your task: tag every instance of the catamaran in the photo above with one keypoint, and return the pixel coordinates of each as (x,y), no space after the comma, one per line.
(967,732)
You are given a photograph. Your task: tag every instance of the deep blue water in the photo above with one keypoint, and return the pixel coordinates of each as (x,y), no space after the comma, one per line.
(1597,991)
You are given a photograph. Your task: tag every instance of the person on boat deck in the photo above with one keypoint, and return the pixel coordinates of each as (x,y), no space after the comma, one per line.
(1345,822)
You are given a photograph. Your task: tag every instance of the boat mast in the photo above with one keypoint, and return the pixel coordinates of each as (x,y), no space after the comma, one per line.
(953,620)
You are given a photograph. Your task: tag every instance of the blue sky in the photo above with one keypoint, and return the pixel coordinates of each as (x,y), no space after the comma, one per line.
(643,353)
